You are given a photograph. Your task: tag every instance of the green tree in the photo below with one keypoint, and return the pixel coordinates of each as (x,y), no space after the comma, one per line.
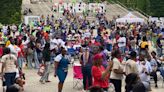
(150,7)
(10,11)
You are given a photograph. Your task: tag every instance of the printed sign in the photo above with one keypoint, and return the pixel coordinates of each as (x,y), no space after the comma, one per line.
(29,19)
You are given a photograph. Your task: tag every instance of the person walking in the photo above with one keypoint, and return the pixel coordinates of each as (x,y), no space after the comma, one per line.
(30,54)
(61,68)
(46,59)
(9,67)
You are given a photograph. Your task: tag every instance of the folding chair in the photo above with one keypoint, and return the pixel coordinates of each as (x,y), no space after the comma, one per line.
(77,76)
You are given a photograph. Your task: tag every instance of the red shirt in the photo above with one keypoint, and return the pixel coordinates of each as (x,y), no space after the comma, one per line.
(1,51)
(97,73)
(21,53)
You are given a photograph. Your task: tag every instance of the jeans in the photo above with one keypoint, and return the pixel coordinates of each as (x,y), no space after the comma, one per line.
(52,58)
(9,78)
(29,60)
(159,52)
(46,72)
(122,49)
(87,77)
(36,60)
(117,84)
(39,56)
(20,62)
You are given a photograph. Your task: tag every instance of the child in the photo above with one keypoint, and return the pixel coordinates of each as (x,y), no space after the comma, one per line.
(19,82)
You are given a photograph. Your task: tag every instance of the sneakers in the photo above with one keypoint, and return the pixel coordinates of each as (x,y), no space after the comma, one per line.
(47,81)
(42,82)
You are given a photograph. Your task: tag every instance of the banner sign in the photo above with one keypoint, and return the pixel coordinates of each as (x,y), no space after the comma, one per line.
(79,7)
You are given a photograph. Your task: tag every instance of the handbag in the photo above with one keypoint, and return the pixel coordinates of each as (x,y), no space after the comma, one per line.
(29,51)
(41,70)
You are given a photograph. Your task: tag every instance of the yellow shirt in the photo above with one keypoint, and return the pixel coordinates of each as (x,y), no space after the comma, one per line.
(8,43)
(143,44)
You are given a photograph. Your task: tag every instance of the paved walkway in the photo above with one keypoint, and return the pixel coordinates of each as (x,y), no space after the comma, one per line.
(33,84)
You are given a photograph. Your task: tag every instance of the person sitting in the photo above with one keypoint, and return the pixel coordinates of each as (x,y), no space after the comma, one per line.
(19,83)
(145,69)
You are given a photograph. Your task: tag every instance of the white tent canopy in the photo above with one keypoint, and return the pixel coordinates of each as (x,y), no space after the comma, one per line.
(130,18)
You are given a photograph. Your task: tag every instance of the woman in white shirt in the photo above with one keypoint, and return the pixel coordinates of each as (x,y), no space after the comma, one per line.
(117,71)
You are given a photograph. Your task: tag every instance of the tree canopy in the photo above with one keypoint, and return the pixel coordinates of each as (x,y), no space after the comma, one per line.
(150,7)
(10,11)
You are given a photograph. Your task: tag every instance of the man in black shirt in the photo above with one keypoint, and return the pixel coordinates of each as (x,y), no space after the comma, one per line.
(46,58)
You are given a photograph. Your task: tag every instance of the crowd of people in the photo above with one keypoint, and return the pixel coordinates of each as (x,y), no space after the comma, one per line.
(107,51)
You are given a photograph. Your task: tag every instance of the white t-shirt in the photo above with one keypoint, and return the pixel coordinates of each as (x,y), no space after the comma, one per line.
(121,42)
(87,34)
(116,65)
(14,49)
(130,67)
(147,68)
(9,62)
(59,57)
(61,42)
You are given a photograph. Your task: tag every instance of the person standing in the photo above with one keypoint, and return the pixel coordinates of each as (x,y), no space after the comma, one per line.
(86,67)
(61,68)
(99,73)
(131,65)
(20,54)
(46,59)
(9,65)
(30,54)
(117,71)
(159,45)
(122,43)
(144,46)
